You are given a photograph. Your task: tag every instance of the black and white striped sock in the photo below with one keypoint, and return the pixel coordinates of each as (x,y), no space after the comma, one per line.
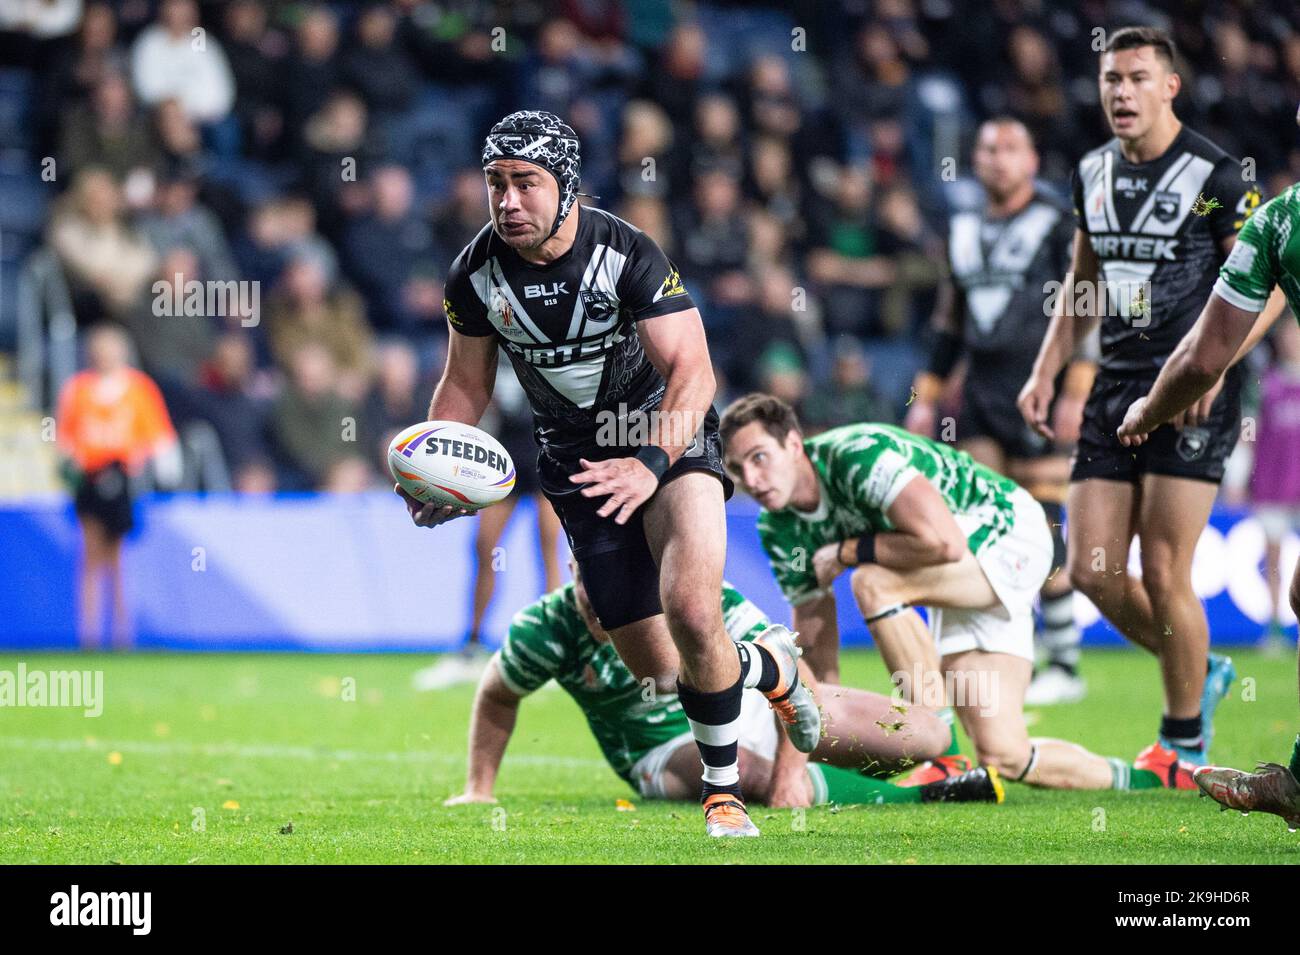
(1061,638)
(715,724)
(758,669)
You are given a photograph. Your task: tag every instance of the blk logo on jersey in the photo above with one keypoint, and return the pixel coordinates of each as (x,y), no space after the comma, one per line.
(546,291)
(1131,185)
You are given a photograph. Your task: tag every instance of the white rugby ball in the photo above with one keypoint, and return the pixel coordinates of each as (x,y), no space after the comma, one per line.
(446,462)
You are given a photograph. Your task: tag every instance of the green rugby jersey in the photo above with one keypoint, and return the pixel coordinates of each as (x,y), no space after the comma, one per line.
(1267,253)
(548,640)
(861,468)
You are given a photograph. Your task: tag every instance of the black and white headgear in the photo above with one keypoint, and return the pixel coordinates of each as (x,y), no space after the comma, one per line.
(544,139)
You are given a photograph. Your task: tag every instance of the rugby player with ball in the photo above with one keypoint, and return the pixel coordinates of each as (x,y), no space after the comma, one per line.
(598,325)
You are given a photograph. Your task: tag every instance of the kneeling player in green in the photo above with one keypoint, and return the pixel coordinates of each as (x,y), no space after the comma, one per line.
(1266,256)
(647,741)
(918,522)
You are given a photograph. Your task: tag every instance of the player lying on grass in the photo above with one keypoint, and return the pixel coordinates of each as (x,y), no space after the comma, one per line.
(646,738)
(1267,254)
(918,523)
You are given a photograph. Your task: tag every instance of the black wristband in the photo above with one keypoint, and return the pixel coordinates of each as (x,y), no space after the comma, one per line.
(867,548)
(655,458)
(944,353)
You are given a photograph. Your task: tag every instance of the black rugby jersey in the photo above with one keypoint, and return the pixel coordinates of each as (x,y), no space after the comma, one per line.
(1156,228)
(569,326)
(1002,270)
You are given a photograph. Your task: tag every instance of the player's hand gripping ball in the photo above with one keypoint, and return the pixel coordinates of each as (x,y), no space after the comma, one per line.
(450,464)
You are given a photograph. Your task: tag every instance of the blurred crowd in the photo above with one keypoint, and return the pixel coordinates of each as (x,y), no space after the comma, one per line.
(797,161)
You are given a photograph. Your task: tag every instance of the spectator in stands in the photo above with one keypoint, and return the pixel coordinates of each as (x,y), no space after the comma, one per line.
(80,69)
(773,184)
(558,70)
(178,136)
(304,310)
(315,427)
(781,373)
(711,247)
(1243,100)
(769,242)
(644,151)
(378,68)
(390,256)
(916,252)
(313,72)
(109,131)
(396,399)
(177,220)
(169,60)
(1275,483)
(229,399)
(849,398)
(462,218)
(337,152)
(257,58)
(714,143)
(111,424)
(651,216)
(172,347)
(677,80)
(279,231)
(107,262)
(845,258)
(1036,95)
(773,109)
(776,320)
(871,81)
(888,145)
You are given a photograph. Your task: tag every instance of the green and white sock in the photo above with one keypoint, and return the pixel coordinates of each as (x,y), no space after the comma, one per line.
(1127,776)
(1295,759)
(948,716)
(833,784)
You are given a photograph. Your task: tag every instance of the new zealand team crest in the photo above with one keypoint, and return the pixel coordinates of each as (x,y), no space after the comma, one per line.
(1192,443)
(598,306)
(1167,204)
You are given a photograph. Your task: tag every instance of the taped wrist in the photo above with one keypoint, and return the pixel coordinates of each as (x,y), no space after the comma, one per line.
(655,458)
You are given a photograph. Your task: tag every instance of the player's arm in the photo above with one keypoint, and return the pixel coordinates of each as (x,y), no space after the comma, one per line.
(928,385)
(789,766)
(1067,330)
(676,346)
(819,635)
(492,722)
(1234,201)
(1243,305)
(465,389)
(1195,367)
(925,534)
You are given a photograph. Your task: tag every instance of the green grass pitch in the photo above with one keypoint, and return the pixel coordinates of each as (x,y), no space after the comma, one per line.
(262,759)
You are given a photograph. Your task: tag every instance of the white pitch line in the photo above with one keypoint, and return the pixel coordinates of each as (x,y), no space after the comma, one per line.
(272,751)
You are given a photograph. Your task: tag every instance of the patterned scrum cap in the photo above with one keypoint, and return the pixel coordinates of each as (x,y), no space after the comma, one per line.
(546,140)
